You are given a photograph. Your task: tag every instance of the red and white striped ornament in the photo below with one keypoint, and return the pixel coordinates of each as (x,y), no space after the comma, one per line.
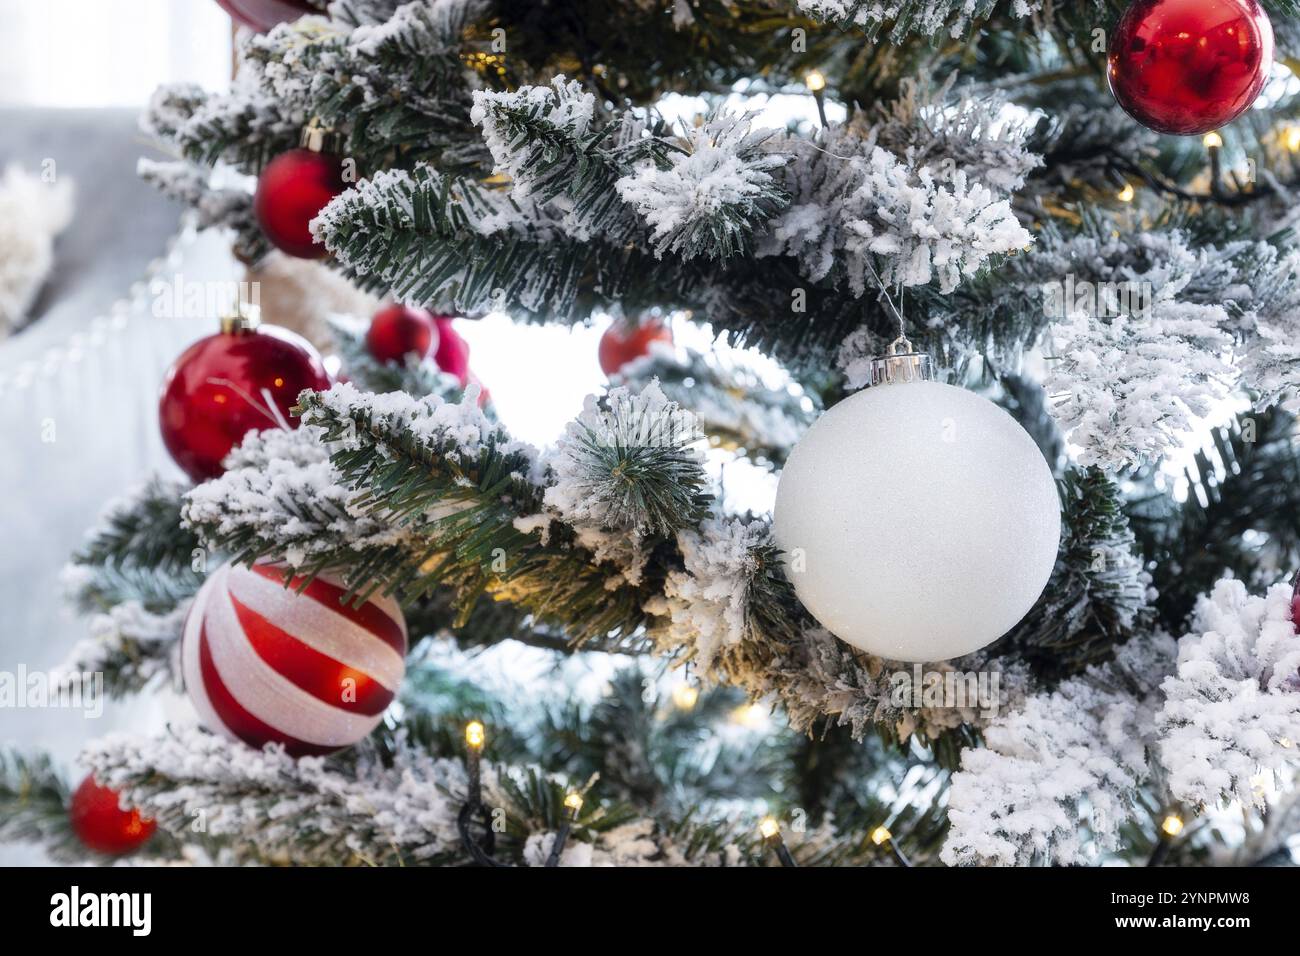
(265,664)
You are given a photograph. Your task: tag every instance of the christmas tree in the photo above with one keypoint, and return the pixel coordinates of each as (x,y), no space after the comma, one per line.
(1024,598)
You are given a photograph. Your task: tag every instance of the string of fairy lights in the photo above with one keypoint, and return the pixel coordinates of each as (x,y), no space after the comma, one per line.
(1287,137)
(481,845)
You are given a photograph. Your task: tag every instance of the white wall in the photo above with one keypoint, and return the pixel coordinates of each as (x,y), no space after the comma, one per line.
(56,53)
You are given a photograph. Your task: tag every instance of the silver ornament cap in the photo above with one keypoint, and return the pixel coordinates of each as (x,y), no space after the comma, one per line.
(244,317)
(902,363)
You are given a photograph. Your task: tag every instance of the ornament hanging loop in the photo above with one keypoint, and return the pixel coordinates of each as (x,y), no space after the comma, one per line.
(902,363)
(243,317)
(319,138)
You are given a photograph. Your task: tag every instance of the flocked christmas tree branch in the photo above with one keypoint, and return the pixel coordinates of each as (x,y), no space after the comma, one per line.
(396,798)
(608,540)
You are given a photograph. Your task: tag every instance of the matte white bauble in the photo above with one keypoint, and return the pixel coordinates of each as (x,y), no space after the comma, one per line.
(920,521)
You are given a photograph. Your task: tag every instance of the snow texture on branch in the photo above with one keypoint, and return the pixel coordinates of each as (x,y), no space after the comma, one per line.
(264,807)
(565,107)
(280,486)
(1127,388)
(924,17)
(269,807)
(1269,300)
(707,602)
(1232,708)
(860,209)
(1204,717)
(710,198)
(1082,748)
(626,471)
(460,246)
(1144,347)
(555,153)
(132,647)
(458,431)
(977,131)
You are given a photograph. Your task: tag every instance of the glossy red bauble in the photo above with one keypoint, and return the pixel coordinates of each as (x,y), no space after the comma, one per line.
(228,384)
(399,330)
(261,15)
(101,824)
(1189,66)
(452,355)
(622,343)
(292,189)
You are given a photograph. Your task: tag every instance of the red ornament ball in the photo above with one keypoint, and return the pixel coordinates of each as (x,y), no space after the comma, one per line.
(100,823)
(264,663)
(245,378)
(293,188)
(261,15)
(1189,66)
(452,355)
(622,343)
(399,330)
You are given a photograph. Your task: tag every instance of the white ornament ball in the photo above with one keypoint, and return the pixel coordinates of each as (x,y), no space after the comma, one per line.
(265,664)
(920,521)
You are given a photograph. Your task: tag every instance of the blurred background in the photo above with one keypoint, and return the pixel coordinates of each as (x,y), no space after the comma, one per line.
(86,252)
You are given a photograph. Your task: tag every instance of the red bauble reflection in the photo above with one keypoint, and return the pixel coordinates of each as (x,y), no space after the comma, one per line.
(622,343)
(228,384)
(261,15)
(398,331)
(1189,66)
(452,355)
(102,825)
(292,189)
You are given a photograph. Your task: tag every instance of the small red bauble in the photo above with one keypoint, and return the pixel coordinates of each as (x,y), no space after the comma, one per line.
(99,821)
(298,666)
(399,330)
(261,15)
(245,378)
(622,343)
(452,355)
(293,188)
(1189,66)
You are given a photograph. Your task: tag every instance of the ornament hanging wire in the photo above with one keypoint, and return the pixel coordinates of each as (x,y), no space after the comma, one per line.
(901,362)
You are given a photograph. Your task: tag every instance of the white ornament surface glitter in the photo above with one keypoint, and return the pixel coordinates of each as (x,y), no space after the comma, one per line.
(920,521)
